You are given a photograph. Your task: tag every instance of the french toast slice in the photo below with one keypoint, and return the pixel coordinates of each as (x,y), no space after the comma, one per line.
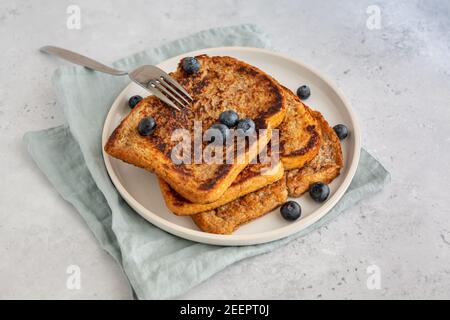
(267,170)
(325,167)
(227,218)
(299,142)
(299,133)
(222,83)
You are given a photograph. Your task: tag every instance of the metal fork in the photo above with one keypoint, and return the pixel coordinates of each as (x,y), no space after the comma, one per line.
(149,77)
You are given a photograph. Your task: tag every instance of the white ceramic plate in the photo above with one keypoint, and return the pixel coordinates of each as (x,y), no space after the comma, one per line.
(140,188)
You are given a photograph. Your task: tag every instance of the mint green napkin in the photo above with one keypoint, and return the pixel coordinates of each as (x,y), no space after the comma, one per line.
(157,264)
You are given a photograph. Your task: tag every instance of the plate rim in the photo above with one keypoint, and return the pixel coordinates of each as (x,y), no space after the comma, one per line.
(243,239)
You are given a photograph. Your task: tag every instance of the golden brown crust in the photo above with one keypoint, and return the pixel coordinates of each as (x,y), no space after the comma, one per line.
(300,138)
(325,167)
(223,83)
(299,133)
(227,218)
(252,178)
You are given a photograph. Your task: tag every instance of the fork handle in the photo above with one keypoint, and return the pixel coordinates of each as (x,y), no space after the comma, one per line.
(81,60)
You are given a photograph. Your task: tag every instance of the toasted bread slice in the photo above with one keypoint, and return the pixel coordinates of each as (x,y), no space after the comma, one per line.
(227,218)
(255,176)
(299,133)
(325,167)
(300,142)
(222,83)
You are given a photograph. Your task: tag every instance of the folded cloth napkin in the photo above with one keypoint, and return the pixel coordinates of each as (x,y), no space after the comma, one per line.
(157,264)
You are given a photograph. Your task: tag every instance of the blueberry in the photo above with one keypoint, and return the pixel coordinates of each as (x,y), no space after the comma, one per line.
(191,65)
(291,210)
(303,92)
(341,131)
(134,100)
(146,126)
(229,118)
(245,126)
(218,133)
(319,192)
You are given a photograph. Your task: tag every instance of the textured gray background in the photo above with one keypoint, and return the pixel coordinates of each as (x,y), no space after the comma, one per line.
(397,79)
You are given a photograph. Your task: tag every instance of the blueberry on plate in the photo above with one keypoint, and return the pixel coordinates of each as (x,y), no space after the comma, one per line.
(146,126)
(245,127)
(303,92)
(134,100)
(341,131)
(319,192)
(229,118)
(191,65)
(291,210)
(217,134)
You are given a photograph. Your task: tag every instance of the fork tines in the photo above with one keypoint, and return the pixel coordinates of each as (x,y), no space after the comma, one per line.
(162,86)
(172,91)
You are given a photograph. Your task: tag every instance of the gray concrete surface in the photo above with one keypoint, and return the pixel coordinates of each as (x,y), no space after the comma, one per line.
(397,78)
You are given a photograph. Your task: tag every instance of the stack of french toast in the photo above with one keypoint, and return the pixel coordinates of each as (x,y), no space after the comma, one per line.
(221,196)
